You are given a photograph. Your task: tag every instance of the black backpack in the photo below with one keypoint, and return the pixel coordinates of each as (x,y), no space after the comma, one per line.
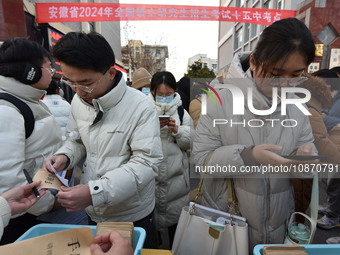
(180,111)
(25,111)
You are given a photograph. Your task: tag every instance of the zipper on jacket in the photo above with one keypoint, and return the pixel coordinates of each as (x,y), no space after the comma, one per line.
(267,210)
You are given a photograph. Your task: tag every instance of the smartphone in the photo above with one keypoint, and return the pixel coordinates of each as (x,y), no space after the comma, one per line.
(164,117)
(305,157)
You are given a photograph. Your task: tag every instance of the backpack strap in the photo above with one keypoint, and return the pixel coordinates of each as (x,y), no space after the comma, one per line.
(24,109)
(180,111)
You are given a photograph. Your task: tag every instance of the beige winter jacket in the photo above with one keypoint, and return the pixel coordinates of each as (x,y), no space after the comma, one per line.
(266,202)
(122,150)
(172,182)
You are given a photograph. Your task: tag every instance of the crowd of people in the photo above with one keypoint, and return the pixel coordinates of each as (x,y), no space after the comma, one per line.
(133,143)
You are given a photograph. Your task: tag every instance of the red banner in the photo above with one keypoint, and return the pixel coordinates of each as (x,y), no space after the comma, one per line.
(79,12)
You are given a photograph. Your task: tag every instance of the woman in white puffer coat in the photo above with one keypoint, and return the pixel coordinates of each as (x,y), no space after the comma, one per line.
(172,183)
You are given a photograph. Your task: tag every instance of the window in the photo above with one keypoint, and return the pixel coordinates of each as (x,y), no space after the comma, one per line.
(238,39)
(90,27)
(253,30)
(246,32)
(267,4)
(137,48)
(205,64)
(214,66)
(322,4)
(158,51)
(239,3)
(279,5)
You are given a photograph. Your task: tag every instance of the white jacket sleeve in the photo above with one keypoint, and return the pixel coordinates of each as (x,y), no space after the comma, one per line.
(5,212)
(129,179)
(207,140)
(12,157)
(72,147)
(183,135)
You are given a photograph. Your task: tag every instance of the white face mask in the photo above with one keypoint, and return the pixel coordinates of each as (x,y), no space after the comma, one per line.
(146,91)
(165,100)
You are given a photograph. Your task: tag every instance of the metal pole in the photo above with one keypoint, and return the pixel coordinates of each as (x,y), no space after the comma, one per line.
(324,61)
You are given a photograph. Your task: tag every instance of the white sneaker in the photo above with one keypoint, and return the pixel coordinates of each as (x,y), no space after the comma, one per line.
(333,240)
(327,222)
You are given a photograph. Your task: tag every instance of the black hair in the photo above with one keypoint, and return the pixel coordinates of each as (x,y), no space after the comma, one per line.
(17,50)
(281,39)
(52,88)
(336,69)
(330,77)
(85,51)
(164,77)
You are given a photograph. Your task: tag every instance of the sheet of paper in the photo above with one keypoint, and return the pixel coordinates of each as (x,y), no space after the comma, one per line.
(60,175)
(66,242)
(48,180)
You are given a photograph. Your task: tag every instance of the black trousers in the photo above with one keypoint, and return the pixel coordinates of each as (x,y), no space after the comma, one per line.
(149,225)
(17,227)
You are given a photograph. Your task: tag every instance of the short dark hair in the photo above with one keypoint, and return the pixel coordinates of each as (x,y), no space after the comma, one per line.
(22,50)
(336,69)
(85,51)
(330,77)
(164,77)
(281,39)
(52,88)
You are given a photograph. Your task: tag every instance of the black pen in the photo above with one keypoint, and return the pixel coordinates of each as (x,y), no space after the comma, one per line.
(29,179)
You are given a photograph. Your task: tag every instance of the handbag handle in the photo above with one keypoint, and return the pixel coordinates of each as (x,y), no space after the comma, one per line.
(232,201)
(200,185)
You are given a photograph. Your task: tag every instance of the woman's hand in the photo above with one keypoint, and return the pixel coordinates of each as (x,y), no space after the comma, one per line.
(172,125)
(163,122)
(264,154)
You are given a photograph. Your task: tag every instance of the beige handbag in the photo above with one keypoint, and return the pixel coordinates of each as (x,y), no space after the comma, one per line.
(206,231)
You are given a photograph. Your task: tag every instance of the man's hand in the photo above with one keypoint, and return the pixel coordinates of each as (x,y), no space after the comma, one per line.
(263,154)
(59,162)
(22,198)
(111,243)
(75,198)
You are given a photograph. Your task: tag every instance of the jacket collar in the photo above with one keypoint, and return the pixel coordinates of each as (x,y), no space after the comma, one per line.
(24,91)
(113,97)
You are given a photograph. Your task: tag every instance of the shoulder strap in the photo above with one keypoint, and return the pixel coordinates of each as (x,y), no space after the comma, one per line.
(180,111)
(24,109)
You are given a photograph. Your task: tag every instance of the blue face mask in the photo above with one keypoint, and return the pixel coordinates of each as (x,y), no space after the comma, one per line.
(146,91)
(165,100)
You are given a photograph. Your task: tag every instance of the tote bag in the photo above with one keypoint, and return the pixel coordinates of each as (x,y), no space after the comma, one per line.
(206,231)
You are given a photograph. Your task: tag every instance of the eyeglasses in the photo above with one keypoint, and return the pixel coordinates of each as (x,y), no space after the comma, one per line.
(295,81)
(50,70)
(81,87)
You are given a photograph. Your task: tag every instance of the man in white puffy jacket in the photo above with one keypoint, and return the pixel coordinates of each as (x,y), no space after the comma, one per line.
(117,131)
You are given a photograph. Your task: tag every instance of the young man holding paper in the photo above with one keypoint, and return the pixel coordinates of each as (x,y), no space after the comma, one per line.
(116,130)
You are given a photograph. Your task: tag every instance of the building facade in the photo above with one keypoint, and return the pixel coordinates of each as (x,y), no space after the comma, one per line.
(203,58)
(323,19)
(238,37)
(151,57)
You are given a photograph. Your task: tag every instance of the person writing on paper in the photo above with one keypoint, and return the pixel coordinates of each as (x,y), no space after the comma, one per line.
(280,59)
(111,243)
(118,135)
(17,200)
(25,73)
